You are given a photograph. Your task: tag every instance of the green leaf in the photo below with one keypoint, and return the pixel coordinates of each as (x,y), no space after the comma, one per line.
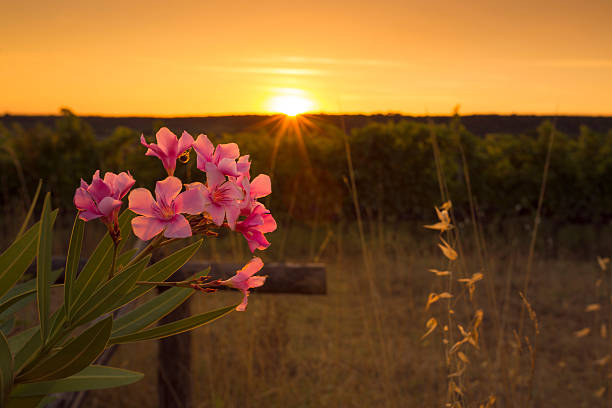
(151,311)
(10,304)
(17,341)
(6,369)
(28,350)
(96,269)
(24,289)
(124,258)
(7,325)
(16,303)
(160,271)
(73,357)
(94,377)
(72,262)
(109,297)
(170,329)
(31,210)
(43,267)
(25,356)
(16,259)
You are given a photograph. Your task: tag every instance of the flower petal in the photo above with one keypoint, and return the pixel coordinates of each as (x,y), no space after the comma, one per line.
(202,189)
(167,141)
(184,143)
(251,268)
(123,182)
(98,189)
(108,205)
(257,241)
(204,149)
(244,165)
(261,186)
(231,191)
(190,202)
(256,281)
(146,228)
(228,167)
(89,215)
(213,176)
(216,212)
(166,190)
(141,202)
(232,212)
(178,227)
(269,224)
(152,148)
(83,201)
(245,300)
(226,151)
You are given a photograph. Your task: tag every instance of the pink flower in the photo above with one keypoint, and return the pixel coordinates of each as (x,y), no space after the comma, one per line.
(259,187)
(168,147)
(164,214)
(223,156)
(102,198)
(244,280)
(221,196)
(255,225)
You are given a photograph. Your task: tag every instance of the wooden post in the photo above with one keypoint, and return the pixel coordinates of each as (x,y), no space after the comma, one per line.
(174,358)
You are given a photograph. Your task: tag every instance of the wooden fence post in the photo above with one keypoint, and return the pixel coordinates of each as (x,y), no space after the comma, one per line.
(174,357)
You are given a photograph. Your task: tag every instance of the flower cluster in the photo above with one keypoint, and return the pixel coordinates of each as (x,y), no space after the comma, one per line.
(102,199)
(227,198)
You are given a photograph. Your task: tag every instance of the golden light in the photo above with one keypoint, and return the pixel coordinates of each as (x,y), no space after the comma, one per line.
(292,102)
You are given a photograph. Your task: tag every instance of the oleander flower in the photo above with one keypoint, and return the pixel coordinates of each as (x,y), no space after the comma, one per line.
(102,198)
(244,280)
(165,212)
(222,197)
(255,225)
(223,156)
(168,147)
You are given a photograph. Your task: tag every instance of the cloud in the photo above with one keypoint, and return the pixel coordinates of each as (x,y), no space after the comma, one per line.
(573,63)
(326,61)
(266,70)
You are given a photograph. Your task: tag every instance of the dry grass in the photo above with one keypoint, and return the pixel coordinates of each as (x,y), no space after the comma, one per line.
(315,351)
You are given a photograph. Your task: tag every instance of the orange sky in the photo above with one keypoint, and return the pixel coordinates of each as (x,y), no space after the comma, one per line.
(204,57)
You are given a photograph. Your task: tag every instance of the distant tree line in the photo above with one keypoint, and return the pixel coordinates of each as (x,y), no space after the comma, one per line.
(393,162)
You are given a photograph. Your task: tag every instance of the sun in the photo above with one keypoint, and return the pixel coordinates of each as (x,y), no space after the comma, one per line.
(290,104)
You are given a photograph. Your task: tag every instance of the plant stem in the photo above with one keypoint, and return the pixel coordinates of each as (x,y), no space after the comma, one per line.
(149,248)
(114,264)
(183,284)
(166,242)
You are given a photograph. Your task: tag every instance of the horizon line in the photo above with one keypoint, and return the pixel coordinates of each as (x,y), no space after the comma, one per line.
(372,113)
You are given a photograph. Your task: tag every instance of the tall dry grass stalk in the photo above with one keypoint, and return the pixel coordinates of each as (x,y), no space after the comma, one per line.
(367,263)
(536,222)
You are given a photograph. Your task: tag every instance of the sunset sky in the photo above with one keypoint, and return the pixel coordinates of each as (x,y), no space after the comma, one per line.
(207,57)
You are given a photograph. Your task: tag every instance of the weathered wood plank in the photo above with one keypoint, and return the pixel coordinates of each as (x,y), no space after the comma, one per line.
(308,278)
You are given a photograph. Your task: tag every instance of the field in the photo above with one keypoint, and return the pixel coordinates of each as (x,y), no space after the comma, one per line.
(311,351)
(523,318)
